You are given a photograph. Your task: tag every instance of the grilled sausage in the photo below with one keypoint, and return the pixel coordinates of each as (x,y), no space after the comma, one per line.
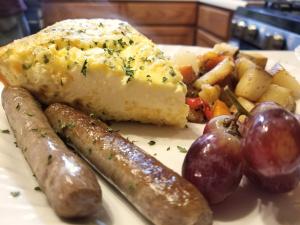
(69,184)
(161,195)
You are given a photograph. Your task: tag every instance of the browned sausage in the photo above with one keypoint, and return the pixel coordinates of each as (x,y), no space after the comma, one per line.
(160,194)
(69,184)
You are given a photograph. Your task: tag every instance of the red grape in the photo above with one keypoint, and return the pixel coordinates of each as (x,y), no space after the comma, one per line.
(271,149)
(214,165)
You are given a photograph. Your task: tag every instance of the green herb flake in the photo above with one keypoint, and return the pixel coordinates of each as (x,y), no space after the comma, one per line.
(110,157)
(49,159)
(37,188)
(142,67)
(26,66)
(6,131)
(100,25)
(29,114)
(15,194)
(155,154)
(172,72)
(182,149)
(131,187)
(84,67)
(131,41)
(151,142)
(18,107)
(168,148)
(164,79)
(46,59)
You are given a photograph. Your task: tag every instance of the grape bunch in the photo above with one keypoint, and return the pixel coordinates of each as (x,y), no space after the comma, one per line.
(268,153)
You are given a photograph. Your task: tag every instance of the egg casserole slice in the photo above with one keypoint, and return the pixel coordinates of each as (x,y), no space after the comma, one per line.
(101,66)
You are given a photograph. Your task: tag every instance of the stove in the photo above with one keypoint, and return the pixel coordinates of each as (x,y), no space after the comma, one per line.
(273,26)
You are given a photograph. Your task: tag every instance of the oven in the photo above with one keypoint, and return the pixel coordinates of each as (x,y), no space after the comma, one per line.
(274,26)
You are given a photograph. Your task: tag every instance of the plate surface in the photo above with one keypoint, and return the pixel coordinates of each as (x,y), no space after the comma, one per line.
(247,206)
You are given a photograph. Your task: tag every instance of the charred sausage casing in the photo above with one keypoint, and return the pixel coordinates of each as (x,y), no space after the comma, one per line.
(69,184)
(160,194)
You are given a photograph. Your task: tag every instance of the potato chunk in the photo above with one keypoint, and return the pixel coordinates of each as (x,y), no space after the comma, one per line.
(280,95)
(221,71)
(242,65)
(282,78)
(256,58)
(210,93)
(253,84)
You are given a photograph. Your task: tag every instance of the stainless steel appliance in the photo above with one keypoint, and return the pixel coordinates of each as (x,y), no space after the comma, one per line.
(274,26)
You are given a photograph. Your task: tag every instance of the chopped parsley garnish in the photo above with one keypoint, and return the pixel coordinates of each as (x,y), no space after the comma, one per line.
(29,114)
(151,142)
(46,59)
(164,79)
(168,148)
(131,42)
(131,187)
(15,194)
(155,154)
(49,159)
(142,67)
(37,188)
(100,25)
(84,67)
(122,43)
(110,157)
(182,149)
(26,66)
(6,131)
(104,45)
(18,107)
(172,72)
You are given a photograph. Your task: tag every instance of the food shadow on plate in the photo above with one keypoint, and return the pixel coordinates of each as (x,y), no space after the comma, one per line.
(191,132)
(275,209)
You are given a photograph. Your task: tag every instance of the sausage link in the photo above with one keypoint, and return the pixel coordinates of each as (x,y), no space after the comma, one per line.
(160,194)
(69,184)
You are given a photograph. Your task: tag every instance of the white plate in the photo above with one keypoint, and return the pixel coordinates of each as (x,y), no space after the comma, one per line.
(246,206)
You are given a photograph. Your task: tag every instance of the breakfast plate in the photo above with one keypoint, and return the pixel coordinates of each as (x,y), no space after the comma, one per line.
(22,203)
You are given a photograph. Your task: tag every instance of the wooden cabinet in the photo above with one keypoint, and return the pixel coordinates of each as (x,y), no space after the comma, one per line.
(169,22)
(169,35)
(157,13)
(56,11)
(163,22)
(213,25)
(206,39)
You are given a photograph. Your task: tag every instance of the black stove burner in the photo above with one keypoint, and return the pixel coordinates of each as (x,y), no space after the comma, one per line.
(283,5)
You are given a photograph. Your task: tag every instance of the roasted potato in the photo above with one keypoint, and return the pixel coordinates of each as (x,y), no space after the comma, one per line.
(253,84)
(210,93)
(242,65)
(225,49)
(280,95)
(221,71)
(248,105)
(256,58)
(282,78)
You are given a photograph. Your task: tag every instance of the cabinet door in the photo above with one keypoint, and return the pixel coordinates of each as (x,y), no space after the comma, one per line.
(158,13)
(204,39)
(169,35)
(56,11)
(214,20)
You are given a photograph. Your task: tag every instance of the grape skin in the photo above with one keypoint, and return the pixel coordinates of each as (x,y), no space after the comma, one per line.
(271,150)
(214,165)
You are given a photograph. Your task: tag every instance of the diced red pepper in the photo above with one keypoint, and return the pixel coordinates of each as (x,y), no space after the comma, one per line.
(198,103)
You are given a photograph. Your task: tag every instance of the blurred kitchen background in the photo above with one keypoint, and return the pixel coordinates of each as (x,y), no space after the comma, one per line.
(255,24)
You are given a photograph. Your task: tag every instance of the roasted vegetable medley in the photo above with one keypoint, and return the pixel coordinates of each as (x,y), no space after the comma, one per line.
(244,73)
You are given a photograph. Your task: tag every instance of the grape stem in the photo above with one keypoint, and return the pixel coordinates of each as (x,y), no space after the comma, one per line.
(241,110)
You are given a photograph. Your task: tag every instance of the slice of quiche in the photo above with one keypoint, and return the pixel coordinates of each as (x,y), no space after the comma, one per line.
(101,66)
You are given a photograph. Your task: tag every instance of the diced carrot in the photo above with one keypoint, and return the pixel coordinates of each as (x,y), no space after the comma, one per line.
(220,108)
(212,62)
(188,74)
